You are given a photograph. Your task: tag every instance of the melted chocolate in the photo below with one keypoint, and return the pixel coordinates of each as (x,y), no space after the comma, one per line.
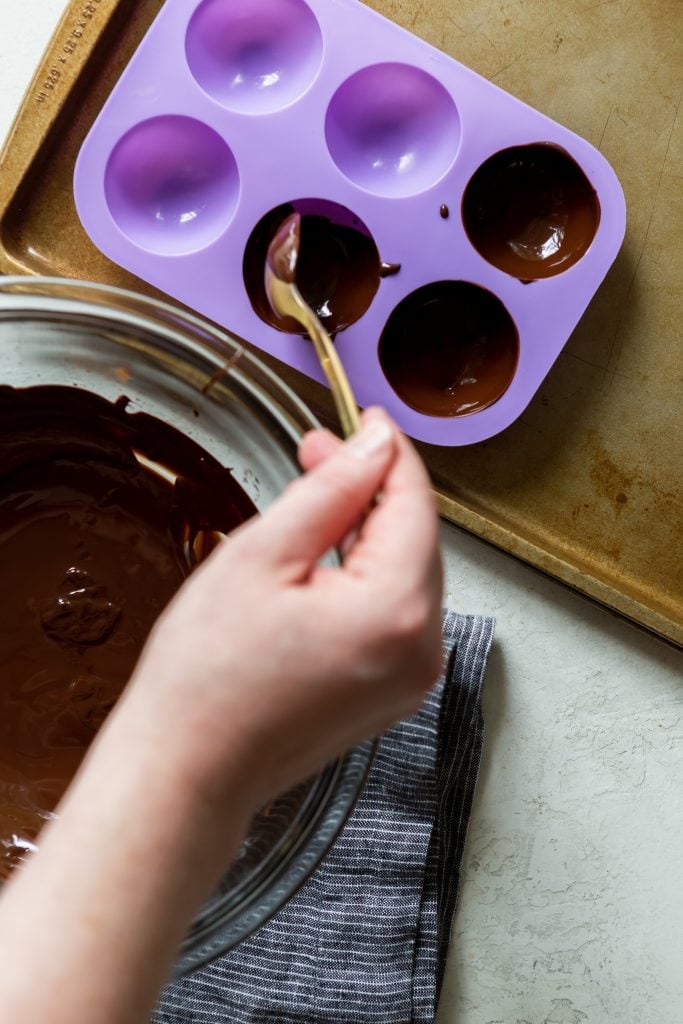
(449,349)
(337,271)
(389,269)
(283,251)
(531,211)
(94,542)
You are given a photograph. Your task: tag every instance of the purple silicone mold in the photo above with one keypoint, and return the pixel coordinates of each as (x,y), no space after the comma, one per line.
(255,56)
(392,129)
(232,108)
(171,185)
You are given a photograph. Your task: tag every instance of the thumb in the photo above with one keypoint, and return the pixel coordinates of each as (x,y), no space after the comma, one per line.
(317,511)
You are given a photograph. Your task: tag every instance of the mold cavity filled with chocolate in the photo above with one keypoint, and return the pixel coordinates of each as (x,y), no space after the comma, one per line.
(103,514)
(338,269)
(449,349)
(531,211)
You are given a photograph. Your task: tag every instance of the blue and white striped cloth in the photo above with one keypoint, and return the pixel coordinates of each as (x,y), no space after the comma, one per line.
(365,940)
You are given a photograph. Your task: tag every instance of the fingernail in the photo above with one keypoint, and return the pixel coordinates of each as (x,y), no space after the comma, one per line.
(371,439)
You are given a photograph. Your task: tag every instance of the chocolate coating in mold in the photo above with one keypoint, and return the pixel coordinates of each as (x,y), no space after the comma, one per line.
(531,211)
(449,349)
(94,544)
(338,267)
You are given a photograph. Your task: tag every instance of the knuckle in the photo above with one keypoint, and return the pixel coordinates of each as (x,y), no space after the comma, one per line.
(417,640)
(412,619)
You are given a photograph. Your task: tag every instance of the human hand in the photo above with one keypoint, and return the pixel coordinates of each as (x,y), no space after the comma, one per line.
(267,658)
(263,667)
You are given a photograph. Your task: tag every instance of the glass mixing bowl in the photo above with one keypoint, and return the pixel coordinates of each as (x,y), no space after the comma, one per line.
(183,370)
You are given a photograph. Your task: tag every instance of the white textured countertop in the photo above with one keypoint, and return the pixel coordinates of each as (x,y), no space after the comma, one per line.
(572,901)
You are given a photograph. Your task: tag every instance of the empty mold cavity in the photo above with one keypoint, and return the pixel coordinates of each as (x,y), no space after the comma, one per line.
(531,211)
(338,271)
(254,57)
(392,129)
(172,185)
(449,349)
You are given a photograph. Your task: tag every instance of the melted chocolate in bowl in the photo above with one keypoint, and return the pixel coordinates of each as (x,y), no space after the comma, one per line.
(531,211)
(449,349)
(103,514)
(337,271)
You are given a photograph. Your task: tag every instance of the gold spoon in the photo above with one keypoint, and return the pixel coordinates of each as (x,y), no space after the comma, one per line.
(286,300)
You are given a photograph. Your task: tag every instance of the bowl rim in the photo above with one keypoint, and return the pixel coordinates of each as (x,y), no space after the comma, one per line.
(62,294)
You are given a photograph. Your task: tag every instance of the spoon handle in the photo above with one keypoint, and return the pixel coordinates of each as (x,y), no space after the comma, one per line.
(333,369)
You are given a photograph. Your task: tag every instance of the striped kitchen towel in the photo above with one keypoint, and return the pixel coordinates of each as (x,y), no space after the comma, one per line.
(365,940)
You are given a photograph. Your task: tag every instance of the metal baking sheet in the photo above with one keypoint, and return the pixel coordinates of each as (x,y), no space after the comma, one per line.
(586,485)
